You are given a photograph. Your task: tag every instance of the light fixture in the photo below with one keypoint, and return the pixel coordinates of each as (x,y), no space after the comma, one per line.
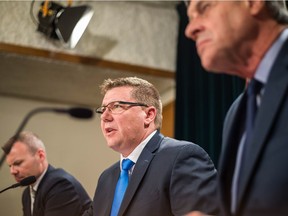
(64,23)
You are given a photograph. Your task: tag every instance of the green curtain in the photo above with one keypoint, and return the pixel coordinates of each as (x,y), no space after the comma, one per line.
(202,98)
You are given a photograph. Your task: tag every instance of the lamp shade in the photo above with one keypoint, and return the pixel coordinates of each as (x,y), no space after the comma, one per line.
(65,23)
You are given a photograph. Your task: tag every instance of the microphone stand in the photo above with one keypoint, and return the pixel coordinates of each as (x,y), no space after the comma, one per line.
(22,125)
(74,112)
(12,186)
(28,116)
(24,182)
(6,189)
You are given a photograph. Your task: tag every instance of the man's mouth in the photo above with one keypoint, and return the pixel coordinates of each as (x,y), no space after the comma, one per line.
(109,130)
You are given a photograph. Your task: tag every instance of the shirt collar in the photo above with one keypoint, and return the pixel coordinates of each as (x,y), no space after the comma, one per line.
(137,151)
(265,66)
(36,185)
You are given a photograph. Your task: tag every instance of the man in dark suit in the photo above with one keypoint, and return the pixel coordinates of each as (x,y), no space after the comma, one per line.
(169,177)
(55,192)
(249,39)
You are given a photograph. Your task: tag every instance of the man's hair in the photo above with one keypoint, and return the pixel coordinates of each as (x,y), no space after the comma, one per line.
(278,10)
(31,140)
(142,92)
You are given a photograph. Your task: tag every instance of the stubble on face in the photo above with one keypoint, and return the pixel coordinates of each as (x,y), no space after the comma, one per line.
(123,130)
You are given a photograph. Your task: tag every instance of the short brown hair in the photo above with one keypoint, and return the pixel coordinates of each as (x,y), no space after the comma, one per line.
(143,92)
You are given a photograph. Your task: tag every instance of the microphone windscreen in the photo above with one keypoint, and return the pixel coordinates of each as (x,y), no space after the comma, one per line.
(83,113)
(27,181)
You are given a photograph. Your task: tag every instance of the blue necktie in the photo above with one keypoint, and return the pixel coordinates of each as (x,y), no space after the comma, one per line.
(121,186)
(253,90)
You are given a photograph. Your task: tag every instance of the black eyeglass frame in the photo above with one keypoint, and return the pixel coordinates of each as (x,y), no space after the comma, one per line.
(101,109)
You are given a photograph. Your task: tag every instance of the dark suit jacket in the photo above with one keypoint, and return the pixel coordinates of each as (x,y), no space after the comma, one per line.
(263,188)
(58,194)
(171,177)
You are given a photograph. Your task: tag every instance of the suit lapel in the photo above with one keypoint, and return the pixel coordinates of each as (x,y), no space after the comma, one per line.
(274,94)
(140,169)
(231,138)
(26,202)
(111,182)
(234,126)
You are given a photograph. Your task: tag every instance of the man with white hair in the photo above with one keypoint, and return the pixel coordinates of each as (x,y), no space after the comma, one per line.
(249,39)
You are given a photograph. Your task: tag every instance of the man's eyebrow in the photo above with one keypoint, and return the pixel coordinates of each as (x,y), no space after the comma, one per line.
(16,162)
(198,5)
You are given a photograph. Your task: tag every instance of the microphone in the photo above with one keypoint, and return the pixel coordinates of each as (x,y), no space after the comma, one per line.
(24,182)
(76,112)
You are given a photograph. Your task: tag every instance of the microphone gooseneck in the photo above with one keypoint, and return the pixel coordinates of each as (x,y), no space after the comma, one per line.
(24,182)
(76,112)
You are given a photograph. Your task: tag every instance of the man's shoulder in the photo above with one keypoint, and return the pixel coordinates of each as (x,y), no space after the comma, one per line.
(175,145)
(56,175)
(169,141)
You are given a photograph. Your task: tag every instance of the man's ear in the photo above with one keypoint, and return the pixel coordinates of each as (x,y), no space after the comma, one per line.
(150,115)
(256,6)
(41,154)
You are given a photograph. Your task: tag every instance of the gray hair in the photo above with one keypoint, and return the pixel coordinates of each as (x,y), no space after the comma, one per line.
(31,140)
(278,10)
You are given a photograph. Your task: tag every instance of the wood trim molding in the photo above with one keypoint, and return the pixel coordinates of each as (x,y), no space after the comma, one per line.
(91,61)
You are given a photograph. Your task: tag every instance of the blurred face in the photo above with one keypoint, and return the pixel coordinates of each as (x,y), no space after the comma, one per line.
(124,131)
(222,31)
(23,163)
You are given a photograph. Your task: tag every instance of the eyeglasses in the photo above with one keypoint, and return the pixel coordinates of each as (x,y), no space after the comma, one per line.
(117,107)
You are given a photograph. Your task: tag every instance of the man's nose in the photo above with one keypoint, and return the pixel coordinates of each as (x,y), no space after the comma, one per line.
(106,115)
(13,170)
(193,29)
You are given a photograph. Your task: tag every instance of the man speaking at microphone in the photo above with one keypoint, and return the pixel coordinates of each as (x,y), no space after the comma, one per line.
(55,192)
(156,175)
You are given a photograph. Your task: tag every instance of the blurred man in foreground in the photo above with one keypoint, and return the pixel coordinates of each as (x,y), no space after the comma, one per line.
(249,39)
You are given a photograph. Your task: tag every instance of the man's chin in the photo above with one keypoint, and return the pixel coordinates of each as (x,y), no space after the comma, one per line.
(208,66)
(211,64)
(112,146)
